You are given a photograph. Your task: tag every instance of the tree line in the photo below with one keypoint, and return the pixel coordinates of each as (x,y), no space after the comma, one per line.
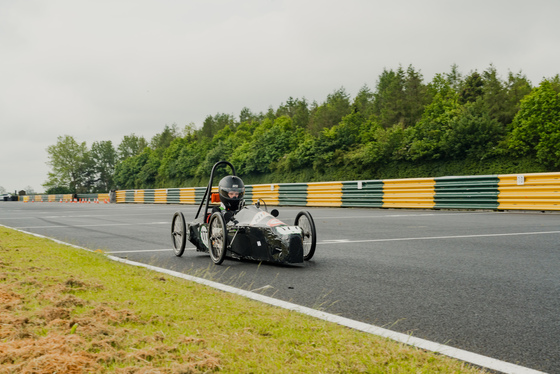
(456,124)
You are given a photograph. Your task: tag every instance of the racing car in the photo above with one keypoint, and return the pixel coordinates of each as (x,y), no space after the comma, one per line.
(241,231)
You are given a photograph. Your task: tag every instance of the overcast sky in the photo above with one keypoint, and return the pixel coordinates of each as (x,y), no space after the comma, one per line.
(103,69)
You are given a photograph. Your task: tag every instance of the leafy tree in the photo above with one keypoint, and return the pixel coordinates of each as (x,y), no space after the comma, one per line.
(125,173)
(297,110)
(130,146)
(441,85)
(269,143)
(104,158)
(536,127)
(133,172)
(302,156)
(208,127)
(454,78)
(400,97)
(495,95)
(472,89)
(182,159)
(425,139)
(246,116)
(163,140)
(58,190)
(502,98)
(147,176)
(331,112)
(389,97)
(363,102)
(472,133)
(71,165)
(452,119)
(212,125)
(416,97)
(517,86)
(385,145)
(169,173)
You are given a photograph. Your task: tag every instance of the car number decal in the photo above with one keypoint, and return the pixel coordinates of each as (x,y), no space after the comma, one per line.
(204,235)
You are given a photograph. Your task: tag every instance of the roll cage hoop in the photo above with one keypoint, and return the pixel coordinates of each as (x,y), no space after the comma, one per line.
(208,193)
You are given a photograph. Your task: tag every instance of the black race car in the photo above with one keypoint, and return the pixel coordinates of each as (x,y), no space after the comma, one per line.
(247,232)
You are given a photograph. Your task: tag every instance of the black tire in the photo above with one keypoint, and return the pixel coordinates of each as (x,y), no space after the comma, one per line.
(217,238)
(178,234)
(305,221)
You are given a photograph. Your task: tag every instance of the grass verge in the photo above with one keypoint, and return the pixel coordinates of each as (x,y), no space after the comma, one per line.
(67,310)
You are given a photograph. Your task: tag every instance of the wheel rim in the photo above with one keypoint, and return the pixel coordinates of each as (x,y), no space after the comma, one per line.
(306,233)
(216,238)
(178,232)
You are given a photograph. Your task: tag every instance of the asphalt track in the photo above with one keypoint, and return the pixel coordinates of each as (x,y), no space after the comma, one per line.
(486,282)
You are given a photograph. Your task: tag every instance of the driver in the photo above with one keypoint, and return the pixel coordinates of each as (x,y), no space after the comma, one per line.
(231,190)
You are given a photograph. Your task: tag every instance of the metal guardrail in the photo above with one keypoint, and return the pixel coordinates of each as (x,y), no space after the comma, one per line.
(66,198)
(324,194)
(535,191)
(409,193)
(540,191)
(468,192)
(362,194)
(294,194)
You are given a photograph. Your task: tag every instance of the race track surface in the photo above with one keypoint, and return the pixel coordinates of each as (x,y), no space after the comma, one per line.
(486,282)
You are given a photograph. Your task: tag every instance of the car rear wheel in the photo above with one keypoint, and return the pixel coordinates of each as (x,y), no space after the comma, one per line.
(178,234)
(217,238)
(305,222)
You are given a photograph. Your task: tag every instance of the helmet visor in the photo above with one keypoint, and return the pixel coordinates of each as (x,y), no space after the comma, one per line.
(233,193)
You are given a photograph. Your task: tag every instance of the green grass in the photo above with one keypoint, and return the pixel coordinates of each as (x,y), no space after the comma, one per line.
(67,310)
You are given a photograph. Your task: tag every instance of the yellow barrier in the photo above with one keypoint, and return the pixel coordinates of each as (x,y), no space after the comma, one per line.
(539,191)
(160,196)
(324,194)
(121,196)
(268,192)
(139,196)
(409,193)
(187,196)
(102,197)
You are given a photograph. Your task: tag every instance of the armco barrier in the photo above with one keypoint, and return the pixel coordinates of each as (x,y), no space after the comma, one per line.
(469,192)
(324,194)
(270,193)
(535,191)
(66,198)
(294,194)
(409,193)
(362,194)
(529,191)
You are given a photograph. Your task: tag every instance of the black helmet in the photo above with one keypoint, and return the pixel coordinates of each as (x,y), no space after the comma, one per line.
(231,191)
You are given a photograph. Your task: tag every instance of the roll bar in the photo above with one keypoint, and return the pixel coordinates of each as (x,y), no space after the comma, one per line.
(208,193)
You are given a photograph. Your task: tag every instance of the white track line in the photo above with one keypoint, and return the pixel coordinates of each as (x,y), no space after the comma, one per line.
(146,250)
(383,216)
(470,357)
(96,225)
(348,241)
